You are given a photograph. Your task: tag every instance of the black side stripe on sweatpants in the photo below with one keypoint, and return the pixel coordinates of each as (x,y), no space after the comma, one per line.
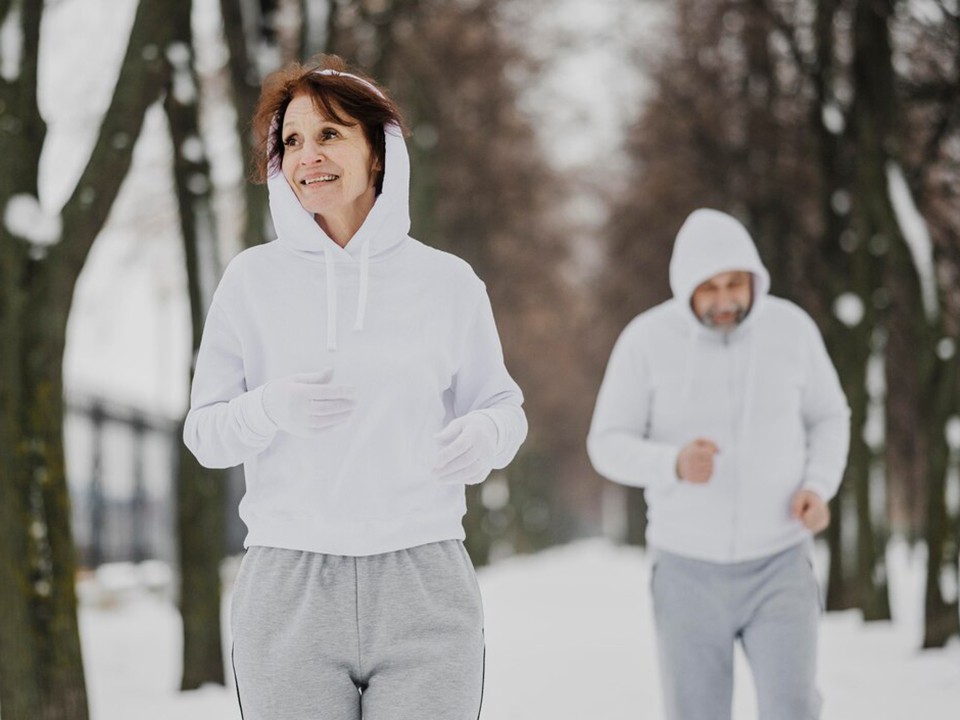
(483,679)
(236,682)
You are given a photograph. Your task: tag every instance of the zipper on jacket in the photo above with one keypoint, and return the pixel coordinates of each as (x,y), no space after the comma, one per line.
(729,351)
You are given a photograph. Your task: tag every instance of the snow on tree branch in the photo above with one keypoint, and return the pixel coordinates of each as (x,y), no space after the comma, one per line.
(11,44)
(25,218)
(916,235)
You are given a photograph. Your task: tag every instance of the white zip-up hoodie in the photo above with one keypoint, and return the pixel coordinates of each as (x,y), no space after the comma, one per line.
(409,326)
(766,393)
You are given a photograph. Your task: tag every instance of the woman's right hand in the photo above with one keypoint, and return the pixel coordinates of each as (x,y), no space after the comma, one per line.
(306,404)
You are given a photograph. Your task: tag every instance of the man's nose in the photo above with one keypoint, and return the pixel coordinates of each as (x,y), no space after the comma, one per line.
(727,299)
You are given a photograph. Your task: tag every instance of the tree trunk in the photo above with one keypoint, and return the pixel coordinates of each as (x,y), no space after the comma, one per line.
(875,126)
(832,268)
(20,689)
(201,495)
(41,671)
(51,553)
(21,137)
(941,620)
(200,531)
(245,81)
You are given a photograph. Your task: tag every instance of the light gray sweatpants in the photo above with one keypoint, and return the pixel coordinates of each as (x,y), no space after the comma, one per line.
(771,605)
(397,636)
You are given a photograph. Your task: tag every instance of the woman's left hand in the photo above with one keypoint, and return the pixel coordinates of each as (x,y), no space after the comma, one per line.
(467,448)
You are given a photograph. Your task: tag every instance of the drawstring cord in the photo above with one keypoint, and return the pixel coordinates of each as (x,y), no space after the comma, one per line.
(331,271)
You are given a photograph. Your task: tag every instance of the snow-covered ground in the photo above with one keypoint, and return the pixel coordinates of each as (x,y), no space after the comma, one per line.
(569,637)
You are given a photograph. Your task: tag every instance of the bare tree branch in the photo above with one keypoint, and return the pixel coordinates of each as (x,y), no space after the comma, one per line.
(142,79)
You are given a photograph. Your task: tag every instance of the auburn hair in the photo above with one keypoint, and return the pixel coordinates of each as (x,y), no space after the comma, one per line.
(340,99)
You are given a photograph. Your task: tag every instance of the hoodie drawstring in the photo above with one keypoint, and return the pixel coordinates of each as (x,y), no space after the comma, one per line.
(329,261)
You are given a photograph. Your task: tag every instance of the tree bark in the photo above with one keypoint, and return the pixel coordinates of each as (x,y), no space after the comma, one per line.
(201,495)
(245,81)
(941,621)
(21,138)
(41,670)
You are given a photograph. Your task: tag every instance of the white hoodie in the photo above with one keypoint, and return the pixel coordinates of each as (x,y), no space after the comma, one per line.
(409,326)
(766,393)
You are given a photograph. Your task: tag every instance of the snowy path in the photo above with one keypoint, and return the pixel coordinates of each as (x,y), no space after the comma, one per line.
(569,638)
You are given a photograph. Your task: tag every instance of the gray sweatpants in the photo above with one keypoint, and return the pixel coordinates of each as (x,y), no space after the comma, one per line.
(397,636)
(771,605)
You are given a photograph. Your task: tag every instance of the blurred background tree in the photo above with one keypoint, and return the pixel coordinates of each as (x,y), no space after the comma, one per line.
(830,129)
(41,257)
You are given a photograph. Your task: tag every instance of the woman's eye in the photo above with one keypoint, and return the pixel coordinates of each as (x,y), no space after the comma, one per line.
(290,140)
(329,134)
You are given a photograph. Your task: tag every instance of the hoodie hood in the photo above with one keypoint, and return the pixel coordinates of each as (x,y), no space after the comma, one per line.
(384,229)
(386,225)
(709,243)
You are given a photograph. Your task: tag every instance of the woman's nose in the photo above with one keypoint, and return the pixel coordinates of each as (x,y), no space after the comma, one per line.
(312,153)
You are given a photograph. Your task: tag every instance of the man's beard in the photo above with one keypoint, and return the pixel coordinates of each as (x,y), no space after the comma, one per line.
(739,311)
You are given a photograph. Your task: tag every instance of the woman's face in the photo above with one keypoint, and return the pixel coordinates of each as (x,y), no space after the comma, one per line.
(328,166)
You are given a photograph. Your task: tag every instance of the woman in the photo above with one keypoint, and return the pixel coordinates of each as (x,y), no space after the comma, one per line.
(358,375)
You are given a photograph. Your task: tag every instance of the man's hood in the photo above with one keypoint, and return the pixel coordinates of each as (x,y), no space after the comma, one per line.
(709,243)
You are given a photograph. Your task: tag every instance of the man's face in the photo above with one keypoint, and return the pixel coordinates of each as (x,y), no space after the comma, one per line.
(723,301)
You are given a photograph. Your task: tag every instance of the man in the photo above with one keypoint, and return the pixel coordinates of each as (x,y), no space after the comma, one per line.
(724,405)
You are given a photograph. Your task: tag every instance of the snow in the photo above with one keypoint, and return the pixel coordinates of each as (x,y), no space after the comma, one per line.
(927,12)
(915,234)
(192,149)
(952,432)
(128,337)
(11,44)
(73,96)
(184,88)
(841,202)
(946,348)
(569,636)
(833,119)
(25,218)
(848,309)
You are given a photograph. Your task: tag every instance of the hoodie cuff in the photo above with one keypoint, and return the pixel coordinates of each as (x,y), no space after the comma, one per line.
(667,463)
(253,419)
(493,426)
(820,489)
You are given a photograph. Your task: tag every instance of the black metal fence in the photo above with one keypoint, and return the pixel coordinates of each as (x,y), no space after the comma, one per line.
(122,470)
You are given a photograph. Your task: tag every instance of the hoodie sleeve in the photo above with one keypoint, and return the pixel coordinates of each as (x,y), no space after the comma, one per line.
(617,443)
(226,424)
(826,417)
(483,385)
